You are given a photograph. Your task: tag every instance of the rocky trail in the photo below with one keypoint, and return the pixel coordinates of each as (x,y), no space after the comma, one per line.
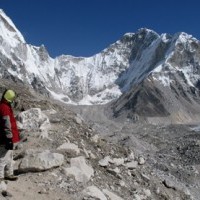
(81,153)
(65,158)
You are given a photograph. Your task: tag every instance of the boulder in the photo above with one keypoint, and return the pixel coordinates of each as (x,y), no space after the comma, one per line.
(33,119)
(94,192)
(70,148)
(79,169)
(111,195)
(40,161)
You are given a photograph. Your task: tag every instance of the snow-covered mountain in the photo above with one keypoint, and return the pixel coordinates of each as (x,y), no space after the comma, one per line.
(162,82)
(70,79)
(142,68)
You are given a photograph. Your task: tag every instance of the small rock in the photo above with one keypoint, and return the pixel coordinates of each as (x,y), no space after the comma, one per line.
(158,190)
(43,191)
(114,171)
(147,192)
(122,183)
(132,165)
(78,120)
(117,161)
(141,161)
(111,195)
(69,148)
(105,161)
(131,157)
(95,138)
(93,193)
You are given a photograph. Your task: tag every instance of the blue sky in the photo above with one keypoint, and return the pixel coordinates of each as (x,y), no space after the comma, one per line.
(86,27)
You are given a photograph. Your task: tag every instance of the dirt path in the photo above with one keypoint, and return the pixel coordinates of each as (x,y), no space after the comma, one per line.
(30,187)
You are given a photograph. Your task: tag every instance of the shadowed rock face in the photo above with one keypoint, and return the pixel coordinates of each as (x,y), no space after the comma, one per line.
(143,100)
(178,103)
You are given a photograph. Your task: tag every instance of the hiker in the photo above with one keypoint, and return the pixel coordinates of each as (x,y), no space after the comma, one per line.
(9,135)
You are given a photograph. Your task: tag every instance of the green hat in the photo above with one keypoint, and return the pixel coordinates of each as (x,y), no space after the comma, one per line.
(9,95)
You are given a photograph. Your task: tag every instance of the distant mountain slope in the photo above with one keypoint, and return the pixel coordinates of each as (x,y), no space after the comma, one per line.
(171,89)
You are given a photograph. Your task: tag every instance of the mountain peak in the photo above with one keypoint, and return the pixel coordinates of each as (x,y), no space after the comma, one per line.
(1,11)
(182,37)
(8,30)
(146,30)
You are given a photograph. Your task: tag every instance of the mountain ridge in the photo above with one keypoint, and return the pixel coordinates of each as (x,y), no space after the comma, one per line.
(171,62)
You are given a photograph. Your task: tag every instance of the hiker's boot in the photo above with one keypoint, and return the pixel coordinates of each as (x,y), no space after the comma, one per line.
(6,193)
(11,178)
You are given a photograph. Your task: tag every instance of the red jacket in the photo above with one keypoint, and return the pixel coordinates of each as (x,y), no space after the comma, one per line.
(8,125)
